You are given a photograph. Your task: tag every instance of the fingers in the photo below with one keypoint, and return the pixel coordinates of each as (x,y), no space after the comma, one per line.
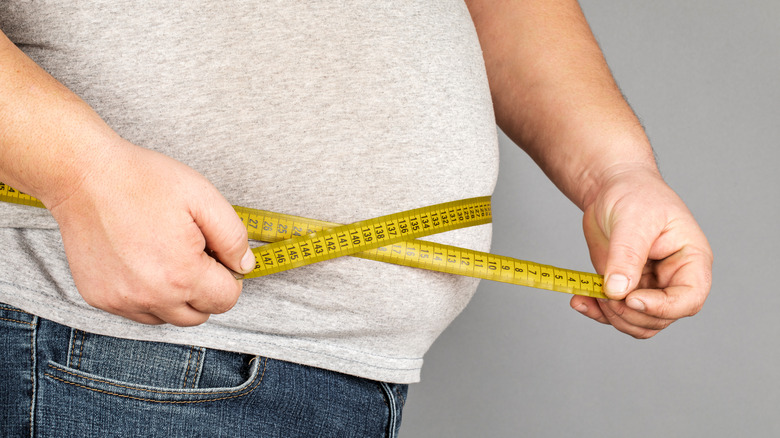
(673,302)
(214,286)
(632,322)
(628,253)
(655,259)
(644,312)
(187,293)
(214,290)
(588,307)
(217,291)
(225,234)
(149,309)
(620,316)
(144,318)
(146,258)
(619,250)
(183,317)
(686,277)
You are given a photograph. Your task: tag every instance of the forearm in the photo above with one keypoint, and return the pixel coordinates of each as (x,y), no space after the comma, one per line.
(554,95)
(109,196)
(49,138)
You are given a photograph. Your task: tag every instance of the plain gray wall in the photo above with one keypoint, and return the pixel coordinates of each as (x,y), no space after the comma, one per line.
(704,78)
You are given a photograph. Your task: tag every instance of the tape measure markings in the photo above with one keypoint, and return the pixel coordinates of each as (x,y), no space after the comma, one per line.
(9,194)
(349,239)
(430,255)
(297,241)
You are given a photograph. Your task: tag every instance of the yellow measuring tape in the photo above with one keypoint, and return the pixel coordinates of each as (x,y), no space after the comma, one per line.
(296,241)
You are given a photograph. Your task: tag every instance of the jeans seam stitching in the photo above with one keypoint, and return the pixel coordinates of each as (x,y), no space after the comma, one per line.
(81,348)
(12,309)
(265,364)
(198,368)
(33,365)
(401,398)
(189,364)
(72,354)
(391,404)
(16,320)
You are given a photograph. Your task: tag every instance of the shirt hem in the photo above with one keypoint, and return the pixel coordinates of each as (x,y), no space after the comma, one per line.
(315,353)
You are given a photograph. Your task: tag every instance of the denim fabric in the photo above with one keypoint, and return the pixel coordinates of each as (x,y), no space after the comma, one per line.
(61,382)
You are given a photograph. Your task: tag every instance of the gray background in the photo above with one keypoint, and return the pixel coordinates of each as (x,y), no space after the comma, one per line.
(703,77)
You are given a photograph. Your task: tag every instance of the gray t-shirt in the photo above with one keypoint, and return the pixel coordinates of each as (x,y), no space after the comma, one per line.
(341,111)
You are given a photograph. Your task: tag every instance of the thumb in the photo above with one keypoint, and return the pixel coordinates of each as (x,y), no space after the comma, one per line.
(629,249)
(225,234)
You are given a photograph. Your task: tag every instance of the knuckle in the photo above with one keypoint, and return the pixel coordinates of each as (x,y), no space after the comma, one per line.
(696,307)
(216,299)
(145,302)
(226,300)
(231,239)
(619,309)
(674,308)
(114,303)
(629,256)
(613,308)
(234,248)
(660,324)
(179,279)
(138,301)
(222,306)
(665,308)
(237,240)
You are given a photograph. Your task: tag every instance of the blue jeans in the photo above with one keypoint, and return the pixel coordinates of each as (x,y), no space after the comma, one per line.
(60,382)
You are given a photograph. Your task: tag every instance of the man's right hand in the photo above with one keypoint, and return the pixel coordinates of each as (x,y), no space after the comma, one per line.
(150,239)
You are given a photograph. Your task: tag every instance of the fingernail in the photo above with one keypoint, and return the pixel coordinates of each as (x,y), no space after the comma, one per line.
(636,304)
(248,262)
(582,308)
(617,284)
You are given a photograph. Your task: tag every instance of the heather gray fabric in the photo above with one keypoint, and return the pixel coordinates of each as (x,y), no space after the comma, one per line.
(341,111)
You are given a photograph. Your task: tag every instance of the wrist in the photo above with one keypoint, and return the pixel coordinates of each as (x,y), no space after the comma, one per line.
(50,139)
(583,156)
(615,158)
(619,179)
(580,139)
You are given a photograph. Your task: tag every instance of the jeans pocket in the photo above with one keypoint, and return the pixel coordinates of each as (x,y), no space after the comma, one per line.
(154,371)
(12,316)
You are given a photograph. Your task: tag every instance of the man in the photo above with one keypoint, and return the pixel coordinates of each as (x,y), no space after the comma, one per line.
(339,112)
